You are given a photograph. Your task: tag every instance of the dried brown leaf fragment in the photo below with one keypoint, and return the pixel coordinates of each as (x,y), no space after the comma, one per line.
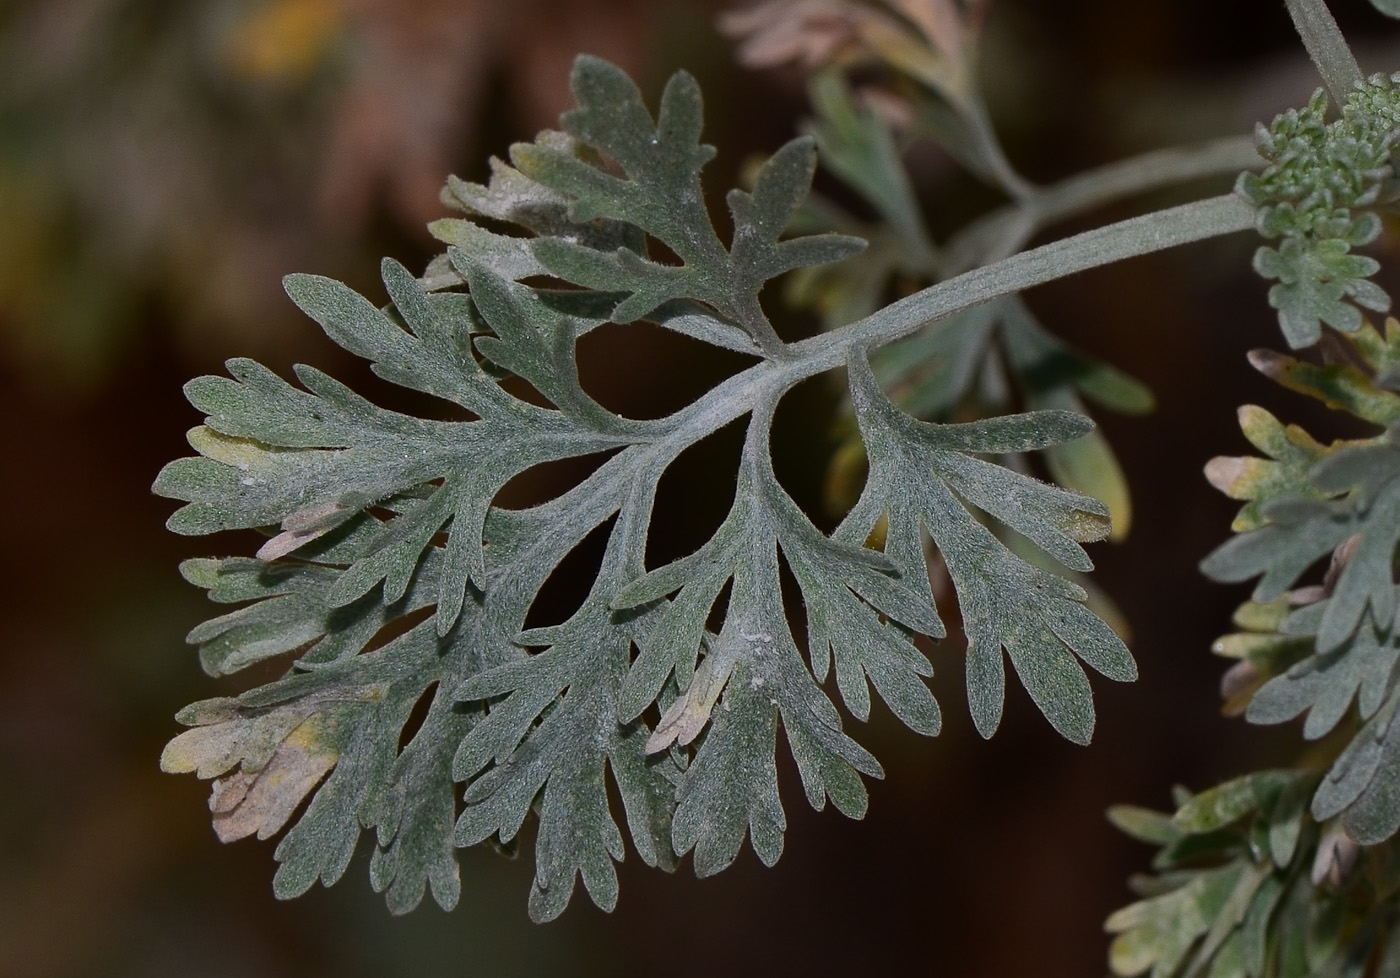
(262,801)
(264,762)
(810,33)
(906,34)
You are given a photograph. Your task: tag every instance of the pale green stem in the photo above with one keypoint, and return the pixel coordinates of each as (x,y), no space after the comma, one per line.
(979,125)
(1326,46)
(1005,231)
(1126,239)
(1149,171)
(750,315)
(1168,228)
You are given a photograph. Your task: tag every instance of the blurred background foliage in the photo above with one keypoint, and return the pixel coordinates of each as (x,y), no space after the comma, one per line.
(164,162)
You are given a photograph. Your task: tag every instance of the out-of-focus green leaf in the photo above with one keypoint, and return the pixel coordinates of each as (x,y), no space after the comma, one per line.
(855,143)
(1144,824)
(1230,801)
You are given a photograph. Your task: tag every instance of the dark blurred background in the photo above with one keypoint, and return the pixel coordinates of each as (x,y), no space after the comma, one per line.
(164,162)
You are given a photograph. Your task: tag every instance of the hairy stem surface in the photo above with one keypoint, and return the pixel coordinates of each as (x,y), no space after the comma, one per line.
(1005,231)
(1326,46)
(1143,235)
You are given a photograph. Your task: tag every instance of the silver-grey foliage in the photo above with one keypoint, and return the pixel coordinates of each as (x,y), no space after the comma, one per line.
(381,520)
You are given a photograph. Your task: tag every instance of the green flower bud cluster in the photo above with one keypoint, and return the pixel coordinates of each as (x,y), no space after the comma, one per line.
(1320,175)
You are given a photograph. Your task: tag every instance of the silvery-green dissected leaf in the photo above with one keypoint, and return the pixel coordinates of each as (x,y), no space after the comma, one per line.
(1363,785)
(937,372)
(1324,684)
(408,797)
(848,591)
(353,711)
(1298,532)
(1291,455)
(292,609)
(272,453)
(414,813)
(919,478)
(660,194)
(1313,280)
(752,675)
(363,495)
(514,198)
(731,786)
(356,495)
(563,757)
(294,613)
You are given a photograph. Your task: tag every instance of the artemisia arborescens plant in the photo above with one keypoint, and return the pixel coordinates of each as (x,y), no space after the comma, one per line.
(672,680)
